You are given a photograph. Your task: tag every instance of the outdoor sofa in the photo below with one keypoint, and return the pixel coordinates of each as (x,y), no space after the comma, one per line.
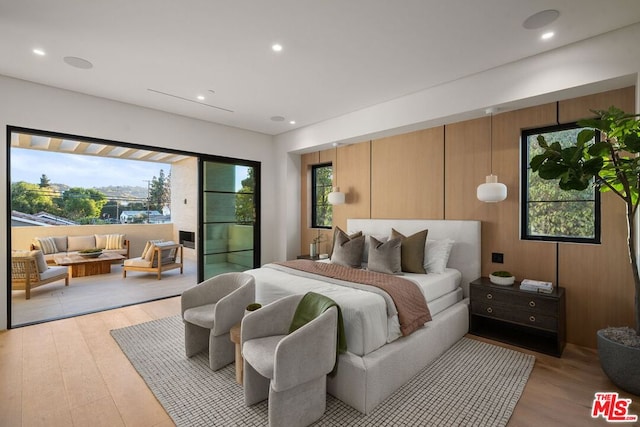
(55,246)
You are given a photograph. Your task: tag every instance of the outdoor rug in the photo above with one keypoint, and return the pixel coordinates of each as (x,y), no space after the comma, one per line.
(472,384)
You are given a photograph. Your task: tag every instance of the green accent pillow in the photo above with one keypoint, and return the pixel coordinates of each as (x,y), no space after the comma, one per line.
(412,250)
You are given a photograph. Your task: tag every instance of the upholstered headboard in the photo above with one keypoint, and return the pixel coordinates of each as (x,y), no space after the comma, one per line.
(465,254)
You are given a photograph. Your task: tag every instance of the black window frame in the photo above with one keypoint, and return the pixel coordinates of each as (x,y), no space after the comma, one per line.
(524,191)
(314,201)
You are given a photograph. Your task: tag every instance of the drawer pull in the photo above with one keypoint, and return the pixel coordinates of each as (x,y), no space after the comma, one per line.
(532,318)
(489,310)
(489,296)
(532,303)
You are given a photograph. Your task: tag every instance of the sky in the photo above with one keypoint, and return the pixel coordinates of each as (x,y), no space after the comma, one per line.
(81,171)
(77,170)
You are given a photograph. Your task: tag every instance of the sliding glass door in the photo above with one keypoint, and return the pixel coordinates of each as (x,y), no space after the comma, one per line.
(230,216)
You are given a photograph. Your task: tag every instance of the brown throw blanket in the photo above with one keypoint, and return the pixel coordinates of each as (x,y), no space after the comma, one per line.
(407,297)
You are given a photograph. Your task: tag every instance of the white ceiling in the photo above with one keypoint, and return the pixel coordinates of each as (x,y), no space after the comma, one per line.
(339,55)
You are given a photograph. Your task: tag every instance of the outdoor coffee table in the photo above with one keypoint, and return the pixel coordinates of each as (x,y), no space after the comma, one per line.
(80,266)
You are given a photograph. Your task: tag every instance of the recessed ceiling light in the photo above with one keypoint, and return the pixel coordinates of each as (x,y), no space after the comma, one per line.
(276,47)
(547,36)
(77,62)
(277,119)
(540,19)
(38,52)
(292,122)
(200,97)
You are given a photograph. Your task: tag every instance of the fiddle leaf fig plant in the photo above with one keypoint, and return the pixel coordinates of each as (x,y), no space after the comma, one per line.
(611,163)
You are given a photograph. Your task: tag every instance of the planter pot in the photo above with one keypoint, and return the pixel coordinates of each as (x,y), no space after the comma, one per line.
(620,363)
(252,307)
(502,281)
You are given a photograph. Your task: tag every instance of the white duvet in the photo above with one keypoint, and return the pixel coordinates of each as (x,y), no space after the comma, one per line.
(367,326)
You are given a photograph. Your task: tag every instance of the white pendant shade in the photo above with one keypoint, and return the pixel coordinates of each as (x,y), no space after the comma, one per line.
(492,191)
(336,197)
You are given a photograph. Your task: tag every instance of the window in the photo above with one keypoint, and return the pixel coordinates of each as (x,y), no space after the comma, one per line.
(321,184)
(549,213)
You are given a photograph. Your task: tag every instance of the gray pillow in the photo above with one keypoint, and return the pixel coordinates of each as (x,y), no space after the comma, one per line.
(339,230)
(347,252)
(384,257)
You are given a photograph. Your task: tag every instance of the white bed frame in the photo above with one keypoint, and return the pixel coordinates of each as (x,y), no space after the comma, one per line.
(364,382)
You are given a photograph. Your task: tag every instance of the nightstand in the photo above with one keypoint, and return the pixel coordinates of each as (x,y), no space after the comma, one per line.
(536,321)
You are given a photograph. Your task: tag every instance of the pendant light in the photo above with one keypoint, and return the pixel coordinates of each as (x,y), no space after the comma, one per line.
(491,191)
(336,197)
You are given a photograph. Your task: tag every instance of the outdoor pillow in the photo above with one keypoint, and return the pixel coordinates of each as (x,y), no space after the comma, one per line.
(46,244)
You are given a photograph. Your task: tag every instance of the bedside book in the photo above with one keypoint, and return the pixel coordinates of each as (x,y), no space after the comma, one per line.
(536,286)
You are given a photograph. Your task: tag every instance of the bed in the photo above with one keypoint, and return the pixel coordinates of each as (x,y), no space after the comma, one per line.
(379,359)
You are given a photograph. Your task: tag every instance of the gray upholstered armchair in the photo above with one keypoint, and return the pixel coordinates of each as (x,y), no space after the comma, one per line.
(210,309)
(290,369)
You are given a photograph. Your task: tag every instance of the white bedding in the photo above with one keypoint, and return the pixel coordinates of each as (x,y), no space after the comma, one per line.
(367,326)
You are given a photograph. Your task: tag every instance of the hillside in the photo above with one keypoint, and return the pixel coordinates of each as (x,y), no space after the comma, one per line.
(119,192)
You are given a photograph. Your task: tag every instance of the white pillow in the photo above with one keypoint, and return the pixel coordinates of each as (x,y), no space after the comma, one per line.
(436,255)
(101,241)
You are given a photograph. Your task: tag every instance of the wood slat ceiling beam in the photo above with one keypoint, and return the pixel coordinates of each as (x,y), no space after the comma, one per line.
(92,149)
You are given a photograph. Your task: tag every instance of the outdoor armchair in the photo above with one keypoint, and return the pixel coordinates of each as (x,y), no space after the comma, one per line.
(30,270)
(156,257)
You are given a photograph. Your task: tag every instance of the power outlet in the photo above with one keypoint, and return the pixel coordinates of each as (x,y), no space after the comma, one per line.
(497,257)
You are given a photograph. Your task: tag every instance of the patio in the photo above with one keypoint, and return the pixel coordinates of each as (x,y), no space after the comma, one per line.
(106,291)
(97,293)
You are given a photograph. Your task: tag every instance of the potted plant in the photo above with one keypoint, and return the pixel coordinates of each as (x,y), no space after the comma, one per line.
(612,164)
(503,278)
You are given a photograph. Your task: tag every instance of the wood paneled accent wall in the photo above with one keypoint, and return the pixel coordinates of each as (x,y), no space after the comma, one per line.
(469,141)
(434,173)
(408,175)
(353,176)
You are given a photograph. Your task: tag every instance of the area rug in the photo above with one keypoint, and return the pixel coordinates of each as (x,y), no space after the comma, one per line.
(473,383)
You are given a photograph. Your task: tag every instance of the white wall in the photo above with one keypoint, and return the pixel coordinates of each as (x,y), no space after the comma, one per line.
(598,64)
(184,200)
(41,107)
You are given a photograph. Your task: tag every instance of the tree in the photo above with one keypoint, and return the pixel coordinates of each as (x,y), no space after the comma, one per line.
(159,191)
(79,203)
(612,162)
(29,198)
(245,212)
(44,181)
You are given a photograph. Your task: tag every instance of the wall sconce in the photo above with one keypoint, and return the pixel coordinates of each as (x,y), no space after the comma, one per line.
(491,191)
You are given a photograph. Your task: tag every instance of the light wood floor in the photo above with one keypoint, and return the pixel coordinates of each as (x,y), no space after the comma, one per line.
(72,373)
